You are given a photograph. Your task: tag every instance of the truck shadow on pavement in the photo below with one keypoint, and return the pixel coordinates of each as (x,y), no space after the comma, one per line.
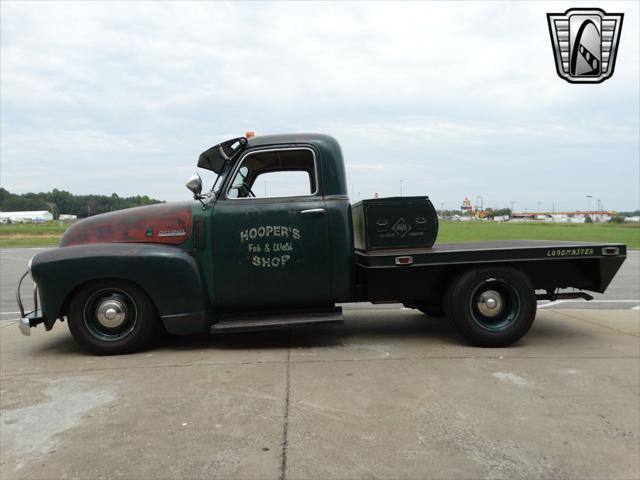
(391,329)
(320,336)
(375,329)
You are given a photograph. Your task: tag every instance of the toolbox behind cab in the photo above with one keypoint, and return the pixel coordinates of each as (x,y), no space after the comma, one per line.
(395,222)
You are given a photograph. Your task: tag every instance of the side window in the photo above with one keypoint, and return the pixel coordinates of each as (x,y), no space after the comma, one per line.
(275,173)
(283,183)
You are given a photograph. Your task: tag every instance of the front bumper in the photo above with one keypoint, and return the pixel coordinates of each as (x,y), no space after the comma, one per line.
(30,319)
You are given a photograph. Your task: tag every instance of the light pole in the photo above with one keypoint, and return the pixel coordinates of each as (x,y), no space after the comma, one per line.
(401,187)
(511,202)
(481,205)
(265,189)
(589,197)
(52,206)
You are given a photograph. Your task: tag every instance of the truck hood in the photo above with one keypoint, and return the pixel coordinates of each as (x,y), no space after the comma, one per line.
(165,223)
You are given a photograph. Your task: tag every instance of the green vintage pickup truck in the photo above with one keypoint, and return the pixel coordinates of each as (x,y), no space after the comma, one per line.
(241,258)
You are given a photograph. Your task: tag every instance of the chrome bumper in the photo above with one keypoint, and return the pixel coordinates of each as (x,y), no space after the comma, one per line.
(31,319)
(25,326)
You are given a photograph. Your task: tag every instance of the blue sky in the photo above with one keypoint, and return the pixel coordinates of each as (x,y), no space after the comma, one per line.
(453,100)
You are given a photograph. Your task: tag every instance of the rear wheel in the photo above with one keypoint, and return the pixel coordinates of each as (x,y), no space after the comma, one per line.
(491,307)
(112,317)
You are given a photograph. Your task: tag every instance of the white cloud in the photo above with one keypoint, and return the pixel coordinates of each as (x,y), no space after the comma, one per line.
(407,87)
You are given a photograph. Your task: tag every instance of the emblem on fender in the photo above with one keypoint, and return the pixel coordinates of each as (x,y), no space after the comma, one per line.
(172,233)
(585,43)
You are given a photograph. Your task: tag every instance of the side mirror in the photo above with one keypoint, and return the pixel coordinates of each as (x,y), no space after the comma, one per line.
(195,185)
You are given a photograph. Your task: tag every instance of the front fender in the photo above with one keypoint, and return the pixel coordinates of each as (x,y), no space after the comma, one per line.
(169,275)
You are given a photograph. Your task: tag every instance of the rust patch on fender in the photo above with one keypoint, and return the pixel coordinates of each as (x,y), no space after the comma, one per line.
(163,223)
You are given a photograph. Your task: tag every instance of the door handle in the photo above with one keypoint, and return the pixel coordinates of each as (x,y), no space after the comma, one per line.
(313,211)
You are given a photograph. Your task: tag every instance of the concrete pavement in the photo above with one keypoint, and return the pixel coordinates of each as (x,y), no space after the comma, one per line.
(391,394)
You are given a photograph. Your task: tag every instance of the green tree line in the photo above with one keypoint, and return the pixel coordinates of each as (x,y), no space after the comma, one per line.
(60,201)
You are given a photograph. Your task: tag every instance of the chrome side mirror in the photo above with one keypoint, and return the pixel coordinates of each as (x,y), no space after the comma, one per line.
(195,185)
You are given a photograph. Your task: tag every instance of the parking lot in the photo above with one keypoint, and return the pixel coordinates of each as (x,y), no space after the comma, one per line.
(390,394)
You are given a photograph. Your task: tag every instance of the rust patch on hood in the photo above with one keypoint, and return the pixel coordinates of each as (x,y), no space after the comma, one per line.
(164,223)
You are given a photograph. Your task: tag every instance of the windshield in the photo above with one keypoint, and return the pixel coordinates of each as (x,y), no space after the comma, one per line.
(218,182)
(218,156)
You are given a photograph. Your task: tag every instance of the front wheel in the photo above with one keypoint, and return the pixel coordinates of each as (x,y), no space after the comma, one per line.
(492,307)
(112,317)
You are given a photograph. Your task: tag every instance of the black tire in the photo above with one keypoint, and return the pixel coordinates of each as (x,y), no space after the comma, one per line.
(132,327)
(491,307)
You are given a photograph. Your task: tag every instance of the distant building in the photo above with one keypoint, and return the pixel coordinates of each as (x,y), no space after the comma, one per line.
(522,217)
(68,218)
(562,217)
(26,217)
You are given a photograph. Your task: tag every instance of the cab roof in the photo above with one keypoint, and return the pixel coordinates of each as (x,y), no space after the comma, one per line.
(330,155)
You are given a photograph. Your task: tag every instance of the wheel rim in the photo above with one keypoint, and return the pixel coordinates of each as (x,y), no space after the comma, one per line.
(494,305)
(110,314)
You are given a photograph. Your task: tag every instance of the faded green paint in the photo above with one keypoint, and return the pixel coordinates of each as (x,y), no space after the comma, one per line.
(240,274)
(333,180)
(168,274)
(265,252)
(341,246)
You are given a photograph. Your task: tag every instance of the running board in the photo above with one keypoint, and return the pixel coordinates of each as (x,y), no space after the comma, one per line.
(254,323)
(563,296)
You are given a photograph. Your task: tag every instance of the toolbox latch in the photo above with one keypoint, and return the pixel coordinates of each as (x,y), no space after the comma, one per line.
(382,225)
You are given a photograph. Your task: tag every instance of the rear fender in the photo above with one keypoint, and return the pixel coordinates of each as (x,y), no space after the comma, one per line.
(169,275)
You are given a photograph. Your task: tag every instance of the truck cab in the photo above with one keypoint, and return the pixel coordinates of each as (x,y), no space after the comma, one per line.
(279,225)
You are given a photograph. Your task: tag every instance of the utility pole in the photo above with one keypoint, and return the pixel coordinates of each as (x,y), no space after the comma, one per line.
(52,206)
(265,189)
(479,206)
(511,202)
(401,187)
(589,197)
(598,200)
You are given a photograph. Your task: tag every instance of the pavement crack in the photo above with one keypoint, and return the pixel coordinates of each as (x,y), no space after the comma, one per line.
(285,427)
(5,374)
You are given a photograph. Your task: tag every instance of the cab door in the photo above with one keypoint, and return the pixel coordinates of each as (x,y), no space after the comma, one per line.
(270,233)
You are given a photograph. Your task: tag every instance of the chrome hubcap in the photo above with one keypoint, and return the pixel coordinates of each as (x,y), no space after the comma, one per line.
(111,313)
(490,303)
